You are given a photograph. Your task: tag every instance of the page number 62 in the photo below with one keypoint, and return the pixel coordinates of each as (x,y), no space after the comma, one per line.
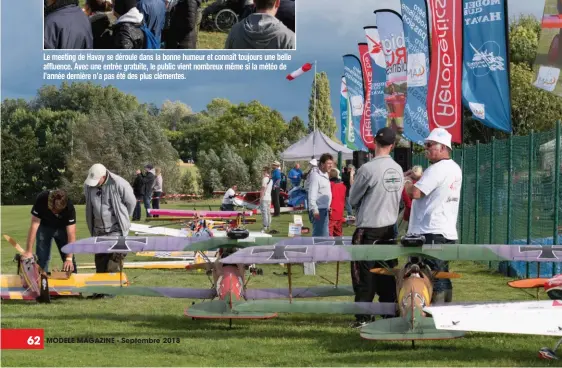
(34,340)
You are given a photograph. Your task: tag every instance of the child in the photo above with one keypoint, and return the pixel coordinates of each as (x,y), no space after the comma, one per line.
(337,206)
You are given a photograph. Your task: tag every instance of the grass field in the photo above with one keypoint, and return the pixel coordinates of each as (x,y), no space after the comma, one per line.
(289,340)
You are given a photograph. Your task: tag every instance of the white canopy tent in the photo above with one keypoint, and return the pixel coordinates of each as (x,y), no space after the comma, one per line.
(314,145)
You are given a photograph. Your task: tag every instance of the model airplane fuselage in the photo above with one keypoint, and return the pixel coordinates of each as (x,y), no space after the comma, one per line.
(552,286)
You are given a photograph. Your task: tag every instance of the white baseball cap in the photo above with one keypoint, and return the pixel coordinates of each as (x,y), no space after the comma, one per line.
(440,135)
(95,174)
(313,162)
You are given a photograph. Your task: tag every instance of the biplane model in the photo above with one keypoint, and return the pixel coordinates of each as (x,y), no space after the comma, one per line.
(533,318)
(251,201)
(414,289)
(32,283)
(228,287)
(552,286)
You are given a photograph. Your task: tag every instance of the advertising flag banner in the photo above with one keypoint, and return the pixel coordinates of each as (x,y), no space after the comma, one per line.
(378,80)
(485,74)
(366,131)
(444,97)
(548,62)
(354,81)
(416,35)
(391,32)
(343,111)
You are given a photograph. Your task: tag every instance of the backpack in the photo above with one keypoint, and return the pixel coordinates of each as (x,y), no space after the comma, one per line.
(150,41)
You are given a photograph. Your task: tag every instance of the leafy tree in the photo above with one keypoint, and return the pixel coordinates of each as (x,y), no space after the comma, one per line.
(209,166)
(264,157)
(191,182)
(524,35)
(321,114)
(234,170)
(212,182)
(172,114)
(295,129)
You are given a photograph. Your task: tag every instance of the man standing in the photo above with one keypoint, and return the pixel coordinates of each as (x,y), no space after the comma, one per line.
(347,178)
(52,217)
(66,26)
(148,184)
(110,201)
(276,188)
(265,199)
(295,176)
(261,30)
(138,190)
(228,199)
(320,196)
(435,205)
(376,193)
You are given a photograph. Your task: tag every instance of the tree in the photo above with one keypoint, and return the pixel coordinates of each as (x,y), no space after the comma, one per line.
(524,35)
(234,170)
(209,166)
(173,114)
(295,129)
(264,157)
(191,182)
(321,114)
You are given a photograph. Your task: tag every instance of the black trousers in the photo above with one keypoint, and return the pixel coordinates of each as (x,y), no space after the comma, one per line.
(365,283)
(227,207)
(442,288)
(275,199)
(108,262)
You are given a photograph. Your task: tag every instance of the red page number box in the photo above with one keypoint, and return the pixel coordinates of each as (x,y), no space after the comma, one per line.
(20,338)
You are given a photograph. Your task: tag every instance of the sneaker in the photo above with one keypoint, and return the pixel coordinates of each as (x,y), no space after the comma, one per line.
(357,324)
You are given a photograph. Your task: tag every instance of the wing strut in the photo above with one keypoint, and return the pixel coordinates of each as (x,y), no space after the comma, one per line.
(290,283)
(337,272)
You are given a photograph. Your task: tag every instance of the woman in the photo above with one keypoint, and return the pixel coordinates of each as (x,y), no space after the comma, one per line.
(157,190)
(100,13)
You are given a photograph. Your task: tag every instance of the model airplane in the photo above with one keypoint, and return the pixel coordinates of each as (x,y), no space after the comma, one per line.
(32,283)
(229,288)
(251,200)
(533,318)
(198,214)
(414,288)
(552,286)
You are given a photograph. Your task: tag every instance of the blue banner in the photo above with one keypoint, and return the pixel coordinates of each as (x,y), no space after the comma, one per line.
(416,35)
(378,66)
(485,78)
(343,112)
(354,81)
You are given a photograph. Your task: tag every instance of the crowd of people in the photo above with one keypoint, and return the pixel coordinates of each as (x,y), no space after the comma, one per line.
(169,24)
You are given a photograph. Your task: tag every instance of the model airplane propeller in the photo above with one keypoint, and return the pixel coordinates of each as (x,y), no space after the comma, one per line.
(32,283)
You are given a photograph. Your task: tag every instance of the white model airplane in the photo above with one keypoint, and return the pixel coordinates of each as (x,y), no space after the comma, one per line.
(530,318)
(141,229)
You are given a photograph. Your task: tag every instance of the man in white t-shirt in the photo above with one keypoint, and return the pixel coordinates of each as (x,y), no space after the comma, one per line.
(435,205)
(228,199)
(265,198)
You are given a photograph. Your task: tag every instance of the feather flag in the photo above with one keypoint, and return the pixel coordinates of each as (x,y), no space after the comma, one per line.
(300,71)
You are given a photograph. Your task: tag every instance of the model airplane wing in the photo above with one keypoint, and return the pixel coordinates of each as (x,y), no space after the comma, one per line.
(192,213)
(310,292)
(530,318)
(301,250)
(126,244)
(166,292)
(316,307)
(142,229)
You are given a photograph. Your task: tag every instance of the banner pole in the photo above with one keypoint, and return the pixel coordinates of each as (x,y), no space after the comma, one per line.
(314,116)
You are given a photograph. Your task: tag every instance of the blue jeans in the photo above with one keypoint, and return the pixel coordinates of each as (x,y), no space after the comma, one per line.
(348,208)
(44,238)
(320,226)
(147,200)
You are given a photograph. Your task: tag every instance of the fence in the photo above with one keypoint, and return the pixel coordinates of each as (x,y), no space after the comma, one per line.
(511,194)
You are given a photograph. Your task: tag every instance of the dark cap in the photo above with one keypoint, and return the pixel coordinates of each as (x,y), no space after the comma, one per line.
(386,136)
(148,166)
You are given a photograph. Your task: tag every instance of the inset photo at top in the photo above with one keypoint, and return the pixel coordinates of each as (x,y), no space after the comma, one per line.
(169,24)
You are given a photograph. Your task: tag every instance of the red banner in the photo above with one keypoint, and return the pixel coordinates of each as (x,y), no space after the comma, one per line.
(20,338)
(366,131)
(444,97)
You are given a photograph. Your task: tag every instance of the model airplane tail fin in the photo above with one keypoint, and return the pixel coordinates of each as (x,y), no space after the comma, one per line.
(218,309)
(527,283)
(398,328)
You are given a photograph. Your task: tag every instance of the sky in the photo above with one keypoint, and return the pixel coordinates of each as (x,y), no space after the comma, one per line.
(326,30)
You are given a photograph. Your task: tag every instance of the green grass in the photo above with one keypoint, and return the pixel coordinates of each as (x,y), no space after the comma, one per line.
(289,340)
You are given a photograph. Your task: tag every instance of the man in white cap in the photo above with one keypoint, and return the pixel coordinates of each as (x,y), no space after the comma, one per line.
(110,201)
(435,205)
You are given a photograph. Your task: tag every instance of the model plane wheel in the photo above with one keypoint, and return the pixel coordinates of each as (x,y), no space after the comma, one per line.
(225,19)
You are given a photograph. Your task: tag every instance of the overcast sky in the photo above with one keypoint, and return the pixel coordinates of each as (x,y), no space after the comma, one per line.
(326,30)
